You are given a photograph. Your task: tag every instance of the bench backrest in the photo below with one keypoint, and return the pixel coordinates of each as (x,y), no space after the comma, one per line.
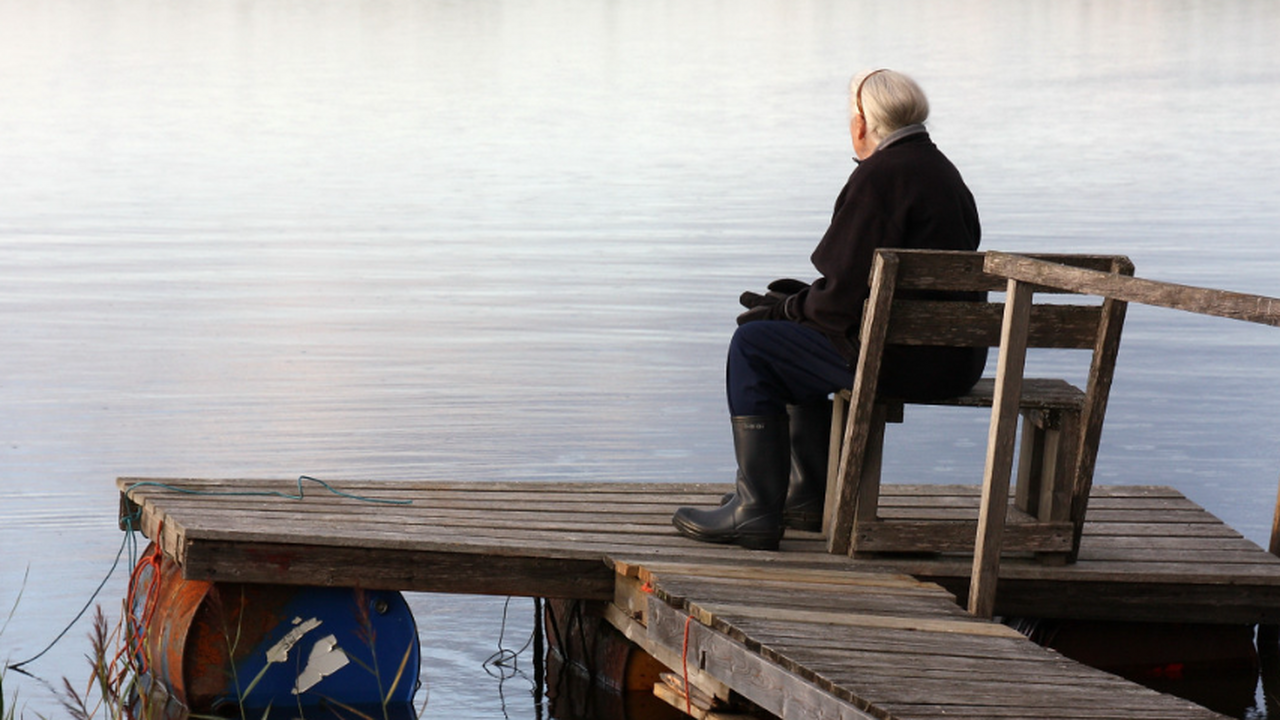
(977,324)
(891,318)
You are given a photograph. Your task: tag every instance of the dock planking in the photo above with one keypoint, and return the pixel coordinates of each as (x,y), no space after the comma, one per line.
(824,635)
(1148,552)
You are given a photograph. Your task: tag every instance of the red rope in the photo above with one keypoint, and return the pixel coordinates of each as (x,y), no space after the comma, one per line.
(684,660)
(136,629)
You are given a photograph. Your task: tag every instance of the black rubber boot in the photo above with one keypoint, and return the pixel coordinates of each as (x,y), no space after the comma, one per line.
(810,446)
(753,517)
(810,442)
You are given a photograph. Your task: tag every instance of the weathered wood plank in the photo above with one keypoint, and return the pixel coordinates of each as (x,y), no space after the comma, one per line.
(390,496)
(707,613)
(773,688)
(791,643)
(960,324)
(397,487)
(1102,518)
(934,270)
(968,497)
(789,576)
(911,711)
(861,601)
(1203,301)
(1106,491)
(958,536)
(423,571)
(645,519)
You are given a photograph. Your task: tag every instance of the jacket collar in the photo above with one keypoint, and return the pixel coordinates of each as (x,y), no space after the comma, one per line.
(894,137)
(901,134)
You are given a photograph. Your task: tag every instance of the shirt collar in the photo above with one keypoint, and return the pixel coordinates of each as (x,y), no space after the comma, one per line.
(895,136)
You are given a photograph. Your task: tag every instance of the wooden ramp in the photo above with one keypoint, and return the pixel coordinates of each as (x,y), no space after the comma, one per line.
(859,645)
(873,635)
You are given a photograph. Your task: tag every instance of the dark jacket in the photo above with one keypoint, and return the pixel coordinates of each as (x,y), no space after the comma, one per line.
(907,194)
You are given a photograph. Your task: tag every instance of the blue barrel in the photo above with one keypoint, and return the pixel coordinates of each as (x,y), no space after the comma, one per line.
(210,647)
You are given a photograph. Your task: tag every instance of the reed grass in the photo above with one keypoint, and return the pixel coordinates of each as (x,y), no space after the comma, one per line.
(9,709)
(113,687)
(115,690)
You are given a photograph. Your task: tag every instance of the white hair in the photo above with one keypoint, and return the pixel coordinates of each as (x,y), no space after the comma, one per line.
(887,101)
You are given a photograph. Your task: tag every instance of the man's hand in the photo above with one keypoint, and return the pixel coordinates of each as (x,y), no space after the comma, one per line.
(773,304)
(770,307)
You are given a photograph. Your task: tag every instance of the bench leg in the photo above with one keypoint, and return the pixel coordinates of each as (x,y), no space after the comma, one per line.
(1046,469)
(866,508)
(867,479)
(1060,468)
(1046,460)
(839,411)
(1031,464)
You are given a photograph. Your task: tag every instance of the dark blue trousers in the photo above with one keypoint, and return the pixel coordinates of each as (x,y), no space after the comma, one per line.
(775,363)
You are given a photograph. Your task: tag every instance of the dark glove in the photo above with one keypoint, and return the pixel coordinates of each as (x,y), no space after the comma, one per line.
(750,299)
(778,290)
(770,307)
(787,286)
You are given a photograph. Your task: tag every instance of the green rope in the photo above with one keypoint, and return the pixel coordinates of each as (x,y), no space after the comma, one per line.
(265,493)
(130,525)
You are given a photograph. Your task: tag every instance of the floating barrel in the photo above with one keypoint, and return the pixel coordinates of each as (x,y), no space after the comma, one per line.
(1210,664)
(593,670)
(213,647)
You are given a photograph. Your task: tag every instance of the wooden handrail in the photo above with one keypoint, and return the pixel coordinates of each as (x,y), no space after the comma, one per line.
(1204,301)
(1259,309)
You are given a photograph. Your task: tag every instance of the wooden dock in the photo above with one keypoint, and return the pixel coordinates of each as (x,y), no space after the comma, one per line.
(801,632)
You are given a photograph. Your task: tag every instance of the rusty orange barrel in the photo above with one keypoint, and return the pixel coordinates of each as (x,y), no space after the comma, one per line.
(210,646)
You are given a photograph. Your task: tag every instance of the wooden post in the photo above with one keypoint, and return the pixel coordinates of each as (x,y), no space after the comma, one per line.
(1000,442)
(1269,635)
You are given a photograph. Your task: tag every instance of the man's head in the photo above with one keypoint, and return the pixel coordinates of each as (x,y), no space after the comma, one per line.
(881,101)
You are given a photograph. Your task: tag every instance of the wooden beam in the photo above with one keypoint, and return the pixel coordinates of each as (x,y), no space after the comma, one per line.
(963,270)
(1000,448)
(637,632)
(474,573)
(945,535)
(1102,371)
(853,451)
(1203,301)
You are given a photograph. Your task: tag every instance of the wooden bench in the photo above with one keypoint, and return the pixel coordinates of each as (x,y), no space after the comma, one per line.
(1040,516)
(1062,424)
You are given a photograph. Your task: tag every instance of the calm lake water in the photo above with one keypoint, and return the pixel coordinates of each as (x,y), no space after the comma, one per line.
(503,240)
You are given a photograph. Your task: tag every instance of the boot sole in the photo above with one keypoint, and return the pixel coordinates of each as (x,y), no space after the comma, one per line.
(805,522)
(750,542)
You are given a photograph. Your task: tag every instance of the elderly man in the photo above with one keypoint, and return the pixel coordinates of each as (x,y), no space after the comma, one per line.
(797,344)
